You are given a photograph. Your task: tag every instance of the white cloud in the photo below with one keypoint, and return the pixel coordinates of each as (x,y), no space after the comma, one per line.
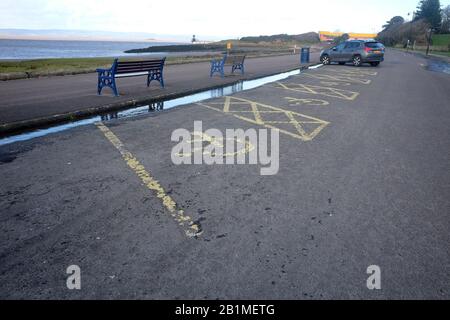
(203,17)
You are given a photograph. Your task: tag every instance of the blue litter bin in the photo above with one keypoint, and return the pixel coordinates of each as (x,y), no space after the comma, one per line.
(305,55)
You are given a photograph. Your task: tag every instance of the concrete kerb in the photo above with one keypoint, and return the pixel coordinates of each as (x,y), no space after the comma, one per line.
(19,126)
(419,54)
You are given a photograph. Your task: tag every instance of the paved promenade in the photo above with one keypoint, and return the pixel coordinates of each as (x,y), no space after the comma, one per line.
(39,100)
(363,180)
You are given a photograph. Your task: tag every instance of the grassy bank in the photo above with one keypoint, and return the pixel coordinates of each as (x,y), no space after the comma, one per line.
(10,70)
(442,40)
(54,65)
(424,50)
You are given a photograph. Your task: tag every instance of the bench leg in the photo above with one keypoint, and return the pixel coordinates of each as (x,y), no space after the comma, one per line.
(155,75)
(238,67)
(222,73)
(114,88)
(107,82)
(99,87)
(217,67)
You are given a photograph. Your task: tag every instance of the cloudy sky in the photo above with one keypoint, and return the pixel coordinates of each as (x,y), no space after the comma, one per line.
(218,19)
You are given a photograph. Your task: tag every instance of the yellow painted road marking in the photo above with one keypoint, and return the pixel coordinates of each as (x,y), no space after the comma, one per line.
(258,110)
(325,91)
(201,137)
(226,107)
(256,113)
(353,72)
(190,228)
(307,102)
(334,84)
(328,77)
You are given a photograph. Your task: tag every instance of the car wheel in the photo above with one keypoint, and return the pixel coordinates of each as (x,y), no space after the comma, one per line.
(341,63)
(357,61)
(325,59)
(374,64)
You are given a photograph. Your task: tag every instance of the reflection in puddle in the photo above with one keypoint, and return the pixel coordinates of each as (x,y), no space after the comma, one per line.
(154,107)
(159,106)
(439,66)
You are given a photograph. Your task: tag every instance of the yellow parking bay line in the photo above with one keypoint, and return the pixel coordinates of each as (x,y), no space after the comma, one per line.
(189,227)
(259,114)
(317,90)
(355,72)
(328,77)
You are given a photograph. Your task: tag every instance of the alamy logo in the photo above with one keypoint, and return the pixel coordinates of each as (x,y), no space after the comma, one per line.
(236,146)
(74,279)
(374,281)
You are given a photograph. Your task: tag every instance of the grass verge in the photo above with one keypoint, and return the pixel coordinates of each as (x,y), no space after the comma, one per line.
(34,68)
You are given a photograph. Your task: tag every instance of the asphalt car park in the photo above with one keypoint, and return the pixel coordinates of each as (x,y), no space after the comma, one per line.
(362,182)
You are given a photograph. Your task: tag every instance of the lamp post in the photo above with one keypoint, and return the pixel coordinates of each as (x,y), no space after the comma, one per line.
(430,34)
(410,28)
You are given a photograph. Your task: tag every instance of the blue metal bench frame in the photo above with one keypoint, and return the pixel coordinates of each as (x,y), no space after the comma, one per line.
(218,65)
(153,69)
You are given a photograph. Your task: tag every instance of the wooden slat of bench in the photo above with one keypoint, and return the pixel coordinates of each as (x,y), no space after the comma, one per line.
(147,64)
(234,60)
(131,74)
(138,62)
(132,71)
(142,67)
(138,66)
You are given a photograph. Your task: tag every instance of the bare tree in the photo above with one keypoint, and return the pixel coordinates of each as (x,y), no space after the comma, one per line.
(446,20)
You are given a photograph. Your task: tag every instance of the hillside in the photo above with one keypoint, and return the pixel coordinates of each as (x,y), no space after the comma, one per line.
(274,43)
(310,37)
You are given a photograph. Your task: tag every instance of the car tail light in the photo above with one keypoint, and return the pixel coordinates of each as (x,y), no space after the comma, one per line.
(367,49)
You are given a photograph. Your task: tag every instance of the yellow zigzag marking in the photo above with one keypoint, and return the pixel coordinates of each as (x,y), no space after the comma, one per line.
(324,91)
(258,109)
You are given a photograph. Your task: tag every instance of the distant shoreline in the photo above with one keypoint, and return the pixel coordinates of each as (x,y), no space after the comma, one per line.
(20,49)
(213,47)
(40,38)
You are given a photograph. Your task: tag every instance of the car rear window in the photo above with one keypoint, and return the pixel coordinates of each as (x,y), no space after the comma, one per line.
(352,45)
(374,45)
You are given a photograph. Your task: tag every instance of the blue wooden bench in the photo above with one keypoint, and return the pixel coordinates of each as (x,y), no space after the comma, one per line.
(218,65)
(153,69)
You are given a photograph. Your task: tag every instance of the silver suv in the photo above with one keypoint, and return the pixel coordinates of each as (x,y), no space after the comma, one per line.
(355,51)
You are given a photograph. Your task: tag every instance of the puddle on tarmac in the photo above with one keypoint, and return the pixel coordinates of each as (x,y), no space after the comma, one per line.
(155,107)
(438,66)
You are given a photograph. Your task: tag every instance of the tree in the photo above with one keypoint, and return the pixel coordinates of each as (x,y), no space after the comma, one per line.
(395,21)
(399,34)
(341,39)
(430,10)
(445,28)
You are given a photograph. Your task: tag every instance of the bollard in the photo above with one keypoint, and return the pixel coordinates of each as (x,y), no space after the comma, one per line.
(304,57)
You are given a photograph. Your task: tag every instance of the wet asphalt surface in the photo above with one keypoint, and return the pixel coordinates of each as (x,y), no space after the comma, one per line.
(45,98)
(371,188)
